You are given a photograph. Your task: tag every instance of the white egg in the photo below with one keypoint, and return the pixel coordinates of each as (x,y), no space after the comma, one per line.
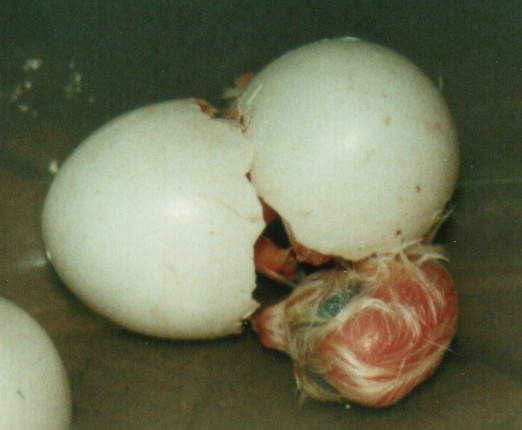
(354,147)
(152,220)
(34,390)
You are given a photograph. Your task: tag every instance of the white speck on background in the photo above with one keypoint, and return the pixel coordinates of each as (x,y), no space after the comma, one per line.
(53,167)
(32,64)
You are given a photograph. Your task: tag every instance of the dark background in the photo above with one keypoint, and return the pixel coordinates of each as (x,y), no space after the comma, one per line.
(181,48)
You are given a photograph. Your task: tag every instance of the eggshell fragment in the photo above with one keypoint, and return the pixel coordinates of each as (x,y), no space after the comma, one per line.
(152,222)
(354,147)
(34,390)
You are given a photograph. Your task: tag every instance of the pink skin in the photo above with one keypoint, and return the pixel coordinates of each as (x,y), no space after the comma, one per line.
(274,262)
(373,347)
(280,264)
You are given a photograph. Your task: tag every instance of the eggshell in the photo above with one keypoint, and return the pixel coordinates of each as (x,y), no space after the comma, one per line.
(354,147)
(34,390)
(152,220)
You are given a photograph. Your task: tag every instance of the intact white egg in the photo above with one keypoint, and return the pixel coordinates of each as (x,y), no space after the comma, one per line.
(152,221)
(354,147)
(34,389)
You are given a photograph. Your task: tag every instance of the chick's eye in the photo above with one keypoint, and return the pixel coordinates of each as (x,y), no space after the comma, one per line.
(336,303)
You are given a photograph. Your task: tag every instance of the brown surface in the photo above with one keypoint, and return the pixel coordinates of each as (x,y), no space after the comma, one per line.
(124,381)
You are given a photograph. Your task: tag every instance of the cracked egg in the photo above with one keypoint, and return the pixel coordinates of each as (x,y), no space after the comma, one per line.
(355,147)
(152,221)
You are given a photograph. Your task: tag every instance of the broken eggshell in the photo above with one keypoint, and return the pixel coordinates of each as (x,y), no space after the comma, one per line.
(34,389)
(354,147)
(152,221)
